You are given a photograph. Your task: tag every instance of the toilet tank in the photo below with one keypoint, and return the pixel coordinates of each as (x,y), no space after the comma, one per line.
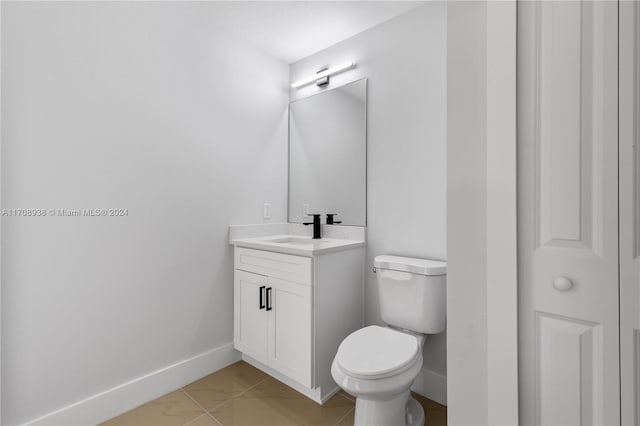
(412,293)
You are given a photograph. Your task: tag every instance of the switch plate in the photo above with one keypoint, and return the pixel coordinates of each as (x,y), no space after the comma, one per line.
(266,211)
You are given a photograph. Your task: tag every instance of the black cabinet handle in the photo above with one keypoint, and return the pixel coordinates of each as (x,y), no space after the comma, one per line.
(261,297)
(269,299)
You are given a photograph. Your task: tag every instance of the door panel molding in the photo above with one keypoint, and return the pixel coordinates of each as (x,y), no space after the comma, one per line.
(569,368)
(568,145)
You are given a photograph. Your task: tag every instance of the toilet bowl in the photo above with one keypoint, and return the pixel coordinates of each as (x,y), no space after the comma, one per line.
(377,365)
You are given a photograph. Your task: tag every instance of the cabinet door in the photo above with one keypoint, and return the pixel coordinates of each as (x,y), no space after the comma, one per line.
(290,329)
(250,319)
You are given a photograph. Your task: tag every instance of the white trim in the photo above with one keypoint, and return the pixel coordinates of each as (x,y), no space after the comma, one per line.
(0,208)
(482,300)
(115,401)
(501,233)
(629,170)
(466,214)
(431,385)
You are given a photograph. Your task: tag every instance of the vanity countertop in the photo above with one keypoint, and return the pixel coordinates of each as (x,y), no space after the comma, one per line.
(297,244)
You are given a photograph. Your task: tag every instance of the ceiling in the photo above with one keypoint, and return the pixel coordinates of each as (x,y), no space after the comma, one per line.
(292,30)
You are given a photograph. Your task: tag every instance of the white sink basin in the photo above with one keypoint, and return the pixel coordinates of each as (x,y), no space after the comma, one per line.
(294,244)
(299,241)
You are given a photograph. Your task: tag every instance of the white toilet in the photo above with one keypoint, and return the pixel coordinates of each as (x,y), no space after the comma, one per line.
(378,365)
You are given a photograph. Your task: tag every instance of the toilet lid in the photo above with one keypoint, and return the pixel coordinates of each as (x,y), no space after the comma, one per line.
(375,352)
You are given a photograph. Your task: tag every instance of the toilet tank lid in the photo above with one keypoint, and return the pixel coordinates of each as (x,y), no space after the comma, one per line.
(410,264)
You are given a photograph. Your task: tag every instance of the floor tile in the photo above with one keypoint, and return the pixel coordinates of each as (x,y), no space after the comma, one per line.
(243,395)
(224,384)
(348,419)
(435,414)
(346,395)
(175,408)
(273,403)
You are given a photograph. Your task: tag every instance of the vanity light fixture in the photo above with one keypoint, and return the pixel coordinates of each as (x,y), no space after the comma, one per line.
(322,77)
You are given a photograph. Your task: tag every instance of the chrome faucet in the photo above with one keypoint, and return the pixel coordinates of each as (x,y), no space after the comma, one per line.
(317,227)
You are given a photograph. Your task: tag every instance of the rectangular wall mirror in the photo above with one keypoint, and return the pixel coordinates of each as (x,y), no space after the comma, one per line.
(328,155)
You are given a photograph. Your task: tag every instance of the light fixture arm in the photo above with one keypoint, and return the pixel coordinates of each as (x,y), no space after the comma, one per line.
(323,81)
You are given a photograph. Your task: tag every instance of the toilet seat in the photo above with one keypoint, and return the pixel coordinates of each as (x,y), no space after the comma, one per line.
(377,352)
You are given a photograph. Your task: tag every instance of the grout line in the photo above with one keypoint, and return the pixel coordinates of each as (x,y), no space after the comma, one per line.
(201,415)
(345,416)
(214,418)
(251,387)
(346,397)
(198,404)
(234,397)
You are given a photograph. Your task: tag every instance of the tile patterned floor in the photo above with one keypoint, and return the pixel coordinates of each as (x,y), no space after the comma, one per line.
(243,395)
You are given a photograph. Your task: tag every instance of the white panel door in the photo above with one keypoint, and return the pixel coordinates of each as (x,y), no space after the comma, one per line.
(289,307)
(630,212)
(251,321)
(568,213)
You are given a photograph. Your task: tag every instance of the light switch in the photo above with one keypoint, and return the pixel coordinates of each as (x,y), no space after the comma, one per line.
(266,211)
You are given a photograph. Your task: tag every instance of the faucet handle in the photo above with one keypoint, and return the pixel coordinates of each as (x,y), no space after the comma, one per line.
(330,220)
(316,218)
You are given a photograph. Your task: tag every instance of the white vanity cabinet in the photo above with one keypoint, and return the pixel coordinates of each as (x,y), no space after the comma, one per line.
(273,315)
(291,312)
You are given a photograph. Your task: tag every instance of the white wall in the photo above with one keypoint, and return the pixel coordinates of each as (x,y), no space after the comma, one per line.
(139,106)
(405,62)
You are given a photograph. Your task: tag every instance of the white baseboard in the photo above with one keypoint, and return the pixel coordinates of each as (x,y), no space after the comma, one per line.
(115,401)
(431,385)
